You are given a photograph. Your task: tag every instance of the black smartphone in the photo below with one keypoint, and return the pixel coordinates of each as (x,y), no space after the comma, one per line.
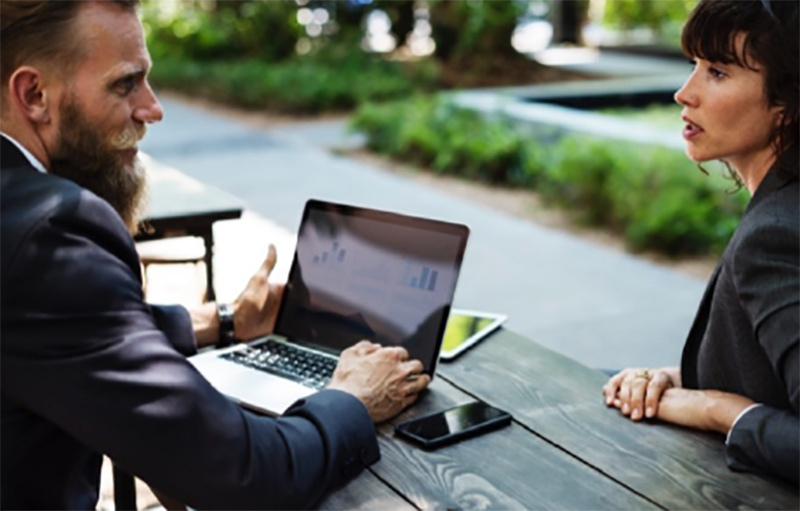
(453,425)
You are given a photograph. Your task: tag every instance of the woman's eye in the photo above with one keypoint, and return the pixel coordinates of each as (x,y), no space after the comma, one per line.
(716,73)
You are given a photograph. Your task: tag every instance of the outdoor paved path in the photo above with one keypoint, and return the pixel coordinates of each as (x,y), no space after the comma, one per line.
(601,307)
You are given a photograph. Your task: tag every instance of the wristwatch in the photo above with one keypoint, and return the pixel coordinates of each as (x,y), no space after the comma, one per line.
(226,335)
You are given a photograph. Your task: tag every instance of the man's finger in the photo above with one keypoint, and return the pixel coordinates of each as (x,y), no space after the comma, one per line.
(399,352)
(363,346)
(416,386)
(356,348)
(272,258)
(412,367)
(368,348)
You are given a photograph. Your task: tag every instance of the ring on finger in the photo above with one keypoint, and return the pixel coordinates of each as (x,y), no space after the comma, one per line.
(644,373)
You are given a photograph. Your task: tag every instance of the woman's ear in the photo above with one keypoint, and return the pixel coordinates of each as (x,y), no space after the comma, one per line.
(778,113)
(28,94)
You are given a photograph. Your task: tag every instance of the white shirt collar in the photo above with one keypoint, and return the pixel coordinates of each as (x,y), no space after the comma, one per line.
(31,158)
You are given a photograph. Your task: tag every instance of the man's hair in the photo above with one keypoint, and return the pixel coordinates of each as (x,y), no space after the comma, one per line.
(771,40)
(40,32)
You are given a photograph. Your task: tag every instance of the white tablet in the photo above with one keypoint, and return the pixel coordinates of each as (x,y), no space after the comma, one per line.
(465,328)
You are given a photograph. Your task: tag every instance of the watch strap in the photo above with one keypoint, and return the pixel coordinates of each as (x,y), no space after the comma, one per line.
(226,334)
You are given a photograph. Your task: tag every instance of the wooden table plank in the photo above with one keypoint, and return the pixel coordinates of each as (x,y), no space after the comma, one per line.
(507,469)
(365,492)
(561,400)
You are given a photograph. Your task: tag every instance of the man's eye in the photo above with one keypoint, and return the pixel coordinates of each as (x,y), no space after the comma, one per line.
(126,85)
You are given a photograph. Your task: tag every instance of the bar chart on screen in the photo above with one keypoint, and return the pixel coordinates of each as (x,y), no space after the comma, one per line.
(419,277)
(334,257)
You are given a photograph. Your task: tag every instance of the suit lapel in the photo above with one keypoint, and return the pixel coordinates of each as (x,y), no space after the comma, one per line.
(689,377)
(774,180)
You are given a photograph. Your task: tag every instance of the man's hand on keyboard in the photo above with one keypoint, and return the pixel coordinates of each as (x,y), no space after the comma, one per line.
(379,377)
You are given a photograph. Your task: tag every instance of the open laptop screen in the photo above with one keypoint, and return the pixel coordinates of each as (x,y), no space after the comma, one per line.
(365,274)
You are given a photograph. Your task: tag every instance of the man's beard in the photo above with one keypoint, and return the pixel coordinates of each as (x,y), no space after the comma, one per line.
(85,156)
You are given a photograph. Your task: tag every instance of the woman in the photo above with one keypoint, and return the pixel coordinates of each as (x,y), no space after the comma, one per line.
(741,362)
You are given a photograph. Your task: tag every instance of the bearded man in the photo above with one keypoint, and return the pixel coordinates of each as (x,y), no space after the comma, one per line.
(87,367)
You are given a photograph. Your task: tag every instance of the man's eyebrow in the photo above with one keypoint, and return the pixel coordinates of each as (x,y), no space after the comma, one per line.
(126,73)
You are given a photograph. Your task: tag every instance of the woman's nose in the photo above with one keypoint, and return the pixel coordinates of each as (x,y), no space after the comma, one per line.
(686,96)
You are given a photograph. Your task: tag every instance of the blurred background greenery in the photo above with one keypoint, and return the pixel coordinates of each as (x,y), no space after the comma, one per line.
(387,61)
(654,196)
(310,56)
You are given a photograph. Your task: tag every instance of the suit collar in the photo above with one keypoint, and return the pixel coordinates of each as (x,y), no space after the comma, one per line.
(19,150)
(11,156)
(776,178)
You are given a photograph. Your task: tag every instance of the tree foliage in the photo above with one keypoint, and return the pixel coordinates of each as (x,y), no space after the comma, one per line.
(263,29)
(474,28)
(656,14)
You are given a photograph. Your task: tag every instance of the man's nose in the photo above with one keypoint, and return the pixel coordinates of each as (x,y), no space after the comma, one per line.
(150,110)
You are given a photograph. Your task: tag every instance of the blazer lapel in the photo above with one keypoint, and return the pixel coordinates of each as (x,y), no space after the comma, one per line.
(774,180)
(689,377)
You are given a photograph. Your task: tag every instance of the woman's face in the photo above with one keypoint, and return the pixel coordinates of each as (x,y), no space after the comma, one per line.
(726,113)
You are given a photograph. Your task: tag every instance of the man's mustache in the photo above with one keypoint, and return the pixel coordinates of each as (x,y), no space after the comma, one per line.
(128,138)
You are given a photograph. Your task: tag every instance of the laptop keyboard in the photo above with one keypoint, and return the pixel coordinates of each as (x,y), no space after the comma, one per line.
(305,367)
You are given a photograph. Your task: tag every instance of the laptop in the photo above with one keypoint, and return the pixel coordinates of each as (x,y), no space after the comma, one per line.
(357,274)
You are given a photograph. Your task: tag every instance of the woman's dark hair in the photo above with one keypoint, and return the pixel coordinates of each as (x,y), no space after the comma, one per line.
(771,40)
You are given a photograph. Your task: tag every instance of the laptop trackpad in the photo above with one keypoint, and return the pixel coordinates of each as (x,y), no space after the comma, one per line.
(255,389)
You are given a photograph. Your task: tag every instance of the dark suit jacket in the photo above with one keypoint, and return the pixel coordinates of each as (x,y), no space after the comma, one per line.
(745,336)
(89,368)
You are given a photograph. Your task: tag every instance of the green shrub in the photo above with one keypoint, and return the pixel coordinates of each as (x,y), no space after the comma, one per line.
(663,202)
(381,124)
(577,178)
(448,139)
(484,149)
(299,85)
(655,196)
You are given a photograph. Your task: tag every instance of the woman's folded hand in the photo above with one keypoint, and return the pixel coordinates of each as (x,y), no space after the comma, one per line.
(637,392)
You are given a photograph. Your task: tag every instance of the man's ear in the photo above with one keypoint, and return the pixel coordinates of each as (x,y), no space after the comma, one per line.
(27,92)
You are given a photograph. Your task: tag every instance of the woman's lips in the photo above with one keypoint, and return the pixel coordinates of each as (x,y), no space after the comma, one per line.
(690,130)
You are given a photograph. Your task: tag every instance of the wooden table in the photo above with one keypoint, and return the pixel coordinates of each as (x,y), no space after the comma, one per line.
(183,206)
(564,449)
